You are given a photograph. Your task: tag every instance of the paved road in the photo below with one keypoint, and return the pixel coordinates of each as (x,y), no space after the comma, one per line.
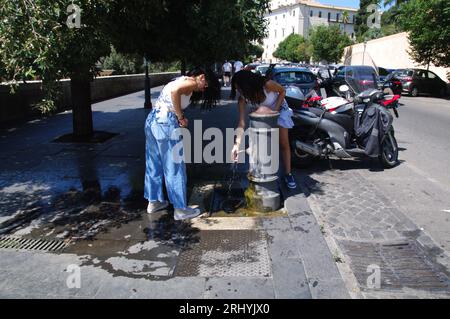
(420,186)
(398,219)
(423,131)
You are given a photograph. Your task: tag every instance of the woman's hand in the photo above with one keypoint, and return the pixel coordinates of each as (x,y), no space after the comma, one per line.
(183,122)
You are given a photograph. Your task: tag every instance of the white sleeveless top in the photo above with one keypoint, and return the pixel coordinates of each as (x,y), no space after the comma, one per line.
(271,99)
(165,98)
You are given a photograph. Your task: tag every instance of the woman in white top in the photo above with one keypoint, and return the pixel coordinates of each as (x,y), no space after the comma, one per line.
(260,92)
(162,164)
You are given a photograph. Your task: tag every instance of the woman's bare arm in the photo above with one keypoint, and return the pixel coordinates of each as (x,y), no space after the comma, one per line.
(272,86)
(241,124)
(182,88)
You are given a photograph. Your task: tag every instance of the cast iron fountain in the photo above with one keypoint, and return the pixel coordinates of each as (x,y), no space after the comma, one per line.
(262,194)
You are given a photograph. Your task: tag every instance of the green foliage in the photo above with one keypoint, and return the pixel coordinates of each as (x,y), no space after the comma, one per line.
(37,43)
(255,51)
(164,67)
(429,33)
(328,43)
(373,33)
(294,48)
(195,31)
(122,64)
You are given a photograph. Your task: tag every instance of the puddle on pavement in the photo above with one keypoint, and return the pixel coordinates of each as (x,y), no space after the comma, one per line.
(149,251)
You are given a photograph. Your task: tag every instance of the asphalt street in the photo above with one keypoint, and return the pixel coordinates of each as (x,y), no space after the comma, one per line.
(420,185)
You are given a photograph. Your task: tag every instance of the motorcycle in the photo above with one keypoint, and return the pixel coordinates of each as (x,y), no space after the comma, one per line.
(328,128)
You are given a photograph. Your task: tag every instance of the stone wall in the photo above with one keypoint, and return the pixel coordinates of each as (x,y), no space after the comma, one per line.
(391,52)
(19,106)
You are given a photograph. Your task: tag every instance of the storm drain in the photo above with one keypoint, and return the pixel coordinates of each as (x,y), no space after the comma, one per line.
(400,265)
(226,253)
(20,243)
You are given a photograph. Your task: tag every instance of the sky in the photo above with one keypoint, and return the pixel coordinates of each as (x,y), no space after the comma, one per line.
(344,3)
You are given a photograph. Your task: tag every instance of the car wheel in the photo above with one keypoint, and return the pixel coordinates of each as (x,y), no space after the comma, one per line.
(414,92)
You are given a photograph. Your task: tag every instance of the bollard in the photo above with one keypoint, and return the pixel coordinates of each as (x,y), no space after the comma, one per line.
(263,194)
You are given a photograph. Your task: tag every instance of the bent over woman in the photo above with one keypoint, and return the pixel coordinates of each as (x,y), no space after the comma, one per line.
(260,92)
(161,164)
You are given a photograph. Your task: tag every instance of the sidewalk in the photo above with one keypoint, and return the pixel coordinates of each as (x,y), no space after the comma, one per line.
(94,193)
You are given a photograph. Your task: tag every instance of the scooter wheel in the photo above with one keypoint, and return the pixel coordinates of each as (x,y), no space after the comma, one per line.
(389,151)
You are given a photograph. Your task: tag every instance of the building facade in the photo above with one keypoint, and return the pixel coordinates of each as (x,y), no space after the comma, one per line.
(299,16)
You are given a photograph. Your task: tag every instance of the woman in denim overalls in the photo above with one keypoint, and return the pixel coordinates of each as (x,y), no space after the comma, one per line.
(161,139)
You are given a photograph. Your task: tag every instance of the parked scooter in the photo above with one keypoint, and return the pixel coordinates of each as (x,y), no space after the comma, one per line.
(335,126)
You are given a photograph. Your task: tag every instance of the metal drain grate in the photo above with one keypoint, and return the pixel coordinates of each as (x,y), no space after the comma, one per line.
(226,253)
(402,265)
(20,243)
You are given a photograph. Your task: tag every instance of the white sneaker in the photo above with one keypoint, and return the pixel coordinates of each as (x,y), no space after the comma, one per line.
(154,207)
(188,213)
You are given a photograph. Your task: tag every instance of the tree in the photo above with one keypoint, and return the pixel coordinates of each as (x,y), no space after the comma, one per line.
(294,48)
(345,18)
(328,43)
(362,18)
(396,3)
(37,42)
(429,34)
(255,52)
(224,29)
(122,64)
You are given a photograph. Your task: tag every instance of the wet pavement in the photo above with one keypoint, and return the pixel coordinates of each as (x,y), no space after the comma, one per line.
(91,198)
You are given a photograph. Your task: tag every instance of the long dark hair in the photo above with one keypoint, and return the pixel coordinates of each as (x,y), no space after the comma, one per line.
(251,85)
(211,95)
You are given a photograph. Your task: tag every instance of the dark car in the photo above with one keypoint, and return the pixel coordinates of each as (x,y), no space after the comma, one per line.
(418,81)
(356,76)
(302,78)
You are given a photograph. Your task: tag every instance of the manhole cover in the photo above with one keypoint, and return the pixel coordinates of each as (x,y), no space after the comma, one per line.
(401,265)
(20,243)
(226,253)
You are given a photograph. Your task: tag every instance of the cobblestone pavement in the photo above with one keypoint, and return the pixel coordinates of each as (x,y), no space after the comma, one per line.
(363,228)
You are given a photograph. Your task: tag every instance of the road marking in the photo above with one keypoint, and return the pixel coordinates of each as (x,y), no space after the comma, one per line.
(446,210)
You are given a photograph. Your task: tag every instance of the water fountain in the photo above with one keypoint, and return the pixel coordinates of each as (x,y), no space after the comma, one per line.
(261,194)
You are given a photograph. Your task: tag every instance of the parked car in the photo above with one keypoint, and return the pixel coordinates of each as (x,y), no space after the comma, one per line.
(418,81)
(363,74)
(294,76)
(262,69)
(252,66)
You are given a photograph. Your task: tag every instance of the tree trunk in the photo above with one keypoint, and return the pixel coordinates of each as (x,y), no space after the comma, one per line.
(81,103)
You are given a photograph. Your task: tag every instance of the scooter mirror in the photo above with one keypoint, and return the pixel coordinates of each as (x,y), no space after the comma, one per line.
(344,88)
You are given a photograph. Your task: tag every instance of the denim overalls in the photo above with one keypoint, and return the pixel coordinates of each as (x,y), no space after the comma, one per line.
(160,162)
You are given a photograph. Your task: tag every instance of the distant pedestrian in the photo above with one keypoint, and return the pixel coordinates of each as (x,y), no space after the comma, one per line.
(226,69)
(162,163)
(238,66)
